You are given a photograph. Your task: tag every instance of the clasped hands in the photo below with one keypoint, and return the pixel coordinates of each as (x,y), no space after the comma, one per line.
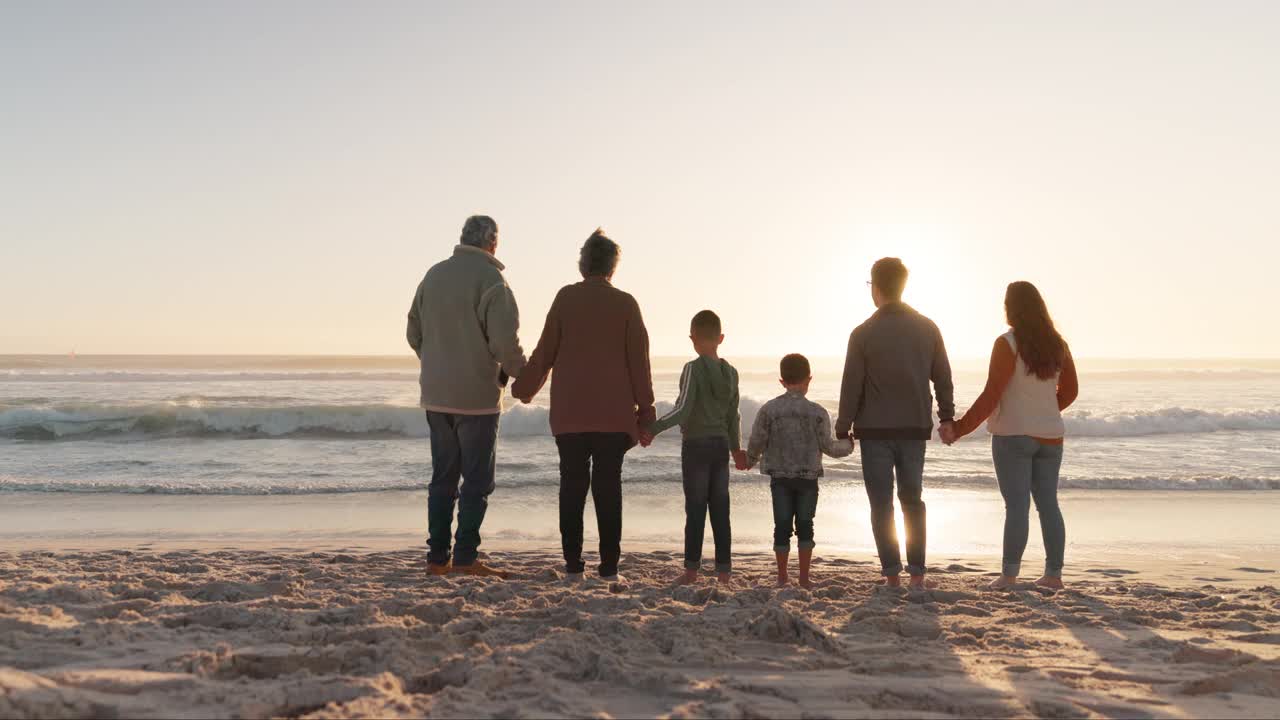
(947,432)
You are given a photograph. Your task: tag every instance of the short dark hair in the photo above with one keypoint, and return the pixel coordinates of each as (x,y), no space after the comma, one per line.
(890,275)
(599,256)
(705,325)
(794,368)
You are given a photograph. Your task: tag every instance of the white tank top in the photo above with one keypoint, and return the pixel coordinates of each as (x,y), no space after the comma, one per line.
(1029,405)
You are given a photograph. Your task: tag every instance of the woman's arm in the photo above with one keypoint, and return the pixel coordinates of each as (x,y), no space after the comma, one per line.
(1000,372)
(637,353)
(534,375)
(1068,382)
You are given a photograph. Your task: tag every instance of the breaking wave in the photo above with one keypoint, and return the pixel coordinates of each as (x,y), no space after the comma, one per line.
(197,419)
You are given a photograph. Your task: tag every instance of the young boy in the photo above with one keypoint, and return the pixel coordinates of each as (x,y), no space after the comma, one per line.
(707,413)
(790,434)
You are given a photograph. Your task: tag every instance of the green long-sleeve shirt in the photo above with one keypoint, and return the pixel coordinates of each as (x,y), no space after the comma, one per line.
(708,402)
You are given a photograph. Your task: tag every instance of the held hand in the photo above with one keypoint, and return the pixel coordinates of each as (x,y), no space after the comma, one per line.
(947,432)
(646,438)
(740,460)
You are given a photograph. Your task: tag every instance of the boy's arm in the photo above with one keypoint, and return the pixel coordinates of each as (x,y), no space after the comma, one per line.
(677,415)
(831,446)
(759,440)
(734,418)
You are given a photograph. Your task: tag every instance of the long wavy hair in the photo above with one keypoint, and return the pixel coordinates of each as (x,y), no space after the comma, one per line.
(1041,347)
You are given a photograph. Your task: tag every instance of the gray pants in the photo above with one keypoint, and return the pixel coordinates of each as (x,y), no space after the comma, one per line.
(1028,469)
(883,461)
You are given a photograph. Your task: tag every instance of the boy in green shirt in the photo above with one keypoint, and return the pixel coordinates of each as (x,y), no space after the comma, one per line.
(707,413)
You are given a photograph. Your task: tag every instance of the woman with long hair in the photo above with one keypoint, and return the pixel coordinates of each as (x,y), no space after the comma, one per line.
(1032,379)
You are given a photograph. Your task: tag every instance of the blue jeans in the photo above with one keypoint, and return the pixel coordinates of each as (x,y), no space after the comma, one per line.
(463,448)
(794,501)
(881,461)
(704,463)
(1028,469)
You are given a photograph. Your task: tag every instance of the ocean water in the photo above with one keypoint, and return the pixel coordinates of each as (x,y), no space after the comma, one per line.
(307,425)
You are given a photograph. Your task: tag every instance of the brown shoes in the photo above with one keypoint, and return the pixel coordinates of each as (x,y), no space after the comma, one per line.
(479,569)
(434,569)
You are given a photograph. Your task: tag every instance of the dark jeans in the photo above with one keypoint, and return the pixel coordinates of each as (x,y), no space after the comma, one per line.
(463,447)
(705,465)
(881,461)
(794,502)
(1027,469)
(591,461)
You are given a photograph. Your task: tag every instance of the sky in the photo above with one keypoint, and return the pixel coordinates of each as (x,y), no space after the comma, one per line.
(275,178)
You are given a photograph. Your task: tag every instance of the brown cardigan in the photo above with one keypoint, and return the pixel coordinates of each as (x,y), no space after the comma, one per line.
(595,339)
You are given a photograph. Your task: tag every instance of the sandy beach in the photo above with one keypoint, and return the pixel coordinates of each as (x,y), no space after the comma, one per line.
(329,634)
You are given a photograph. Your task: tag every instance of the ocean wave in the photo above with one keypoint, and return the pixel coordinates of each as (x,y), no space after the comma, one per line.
(546,482)
(170,376)
(196,418)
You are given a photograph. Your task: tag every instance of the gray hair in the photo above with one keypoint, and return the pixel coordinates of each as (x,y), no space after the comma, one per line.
(479,231)
(599,257)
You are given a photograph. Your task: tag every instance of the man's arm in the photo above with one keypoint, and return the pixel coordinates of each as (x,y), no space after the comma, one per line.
(940,374)
(688,390)
(414,332)
(502,328)
(534,375)
(851,386)
(638,367)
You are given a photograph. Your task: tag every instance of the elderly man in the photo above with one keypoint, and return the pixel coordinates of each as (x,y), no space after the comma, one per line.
(464,325)
(601,394)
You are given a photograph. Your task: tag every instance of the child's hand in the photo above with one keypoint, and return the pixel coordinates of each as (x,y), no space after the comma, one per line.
(740,460)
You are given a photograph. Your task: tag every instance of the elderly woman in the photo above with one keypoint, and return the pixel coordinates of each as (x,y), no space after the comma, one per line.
(601,394)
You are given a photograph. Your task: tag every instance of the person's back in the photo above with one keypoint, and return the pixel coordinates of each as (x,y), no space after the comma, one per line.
(1029,404)
(463,325)
(900,353)
(708,402)
(596,349)
(707,413)
(601,377)
(790,435)
(886,403)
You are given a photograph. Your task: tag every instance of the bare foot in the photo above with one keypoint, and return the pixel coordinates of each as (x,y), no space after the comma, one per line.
(806,583)
(918,583)
(1053,583)
(783,581)
(688,577)
(1004,582)
(892,581)
(724,578)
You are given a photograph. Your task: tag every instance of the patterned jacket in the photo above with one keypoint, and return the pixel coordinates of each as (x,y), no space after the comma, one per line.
(791,433)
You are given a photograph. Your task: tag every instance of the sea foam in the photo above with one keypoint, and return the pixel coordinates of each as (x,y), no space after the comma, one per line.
(196,419)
